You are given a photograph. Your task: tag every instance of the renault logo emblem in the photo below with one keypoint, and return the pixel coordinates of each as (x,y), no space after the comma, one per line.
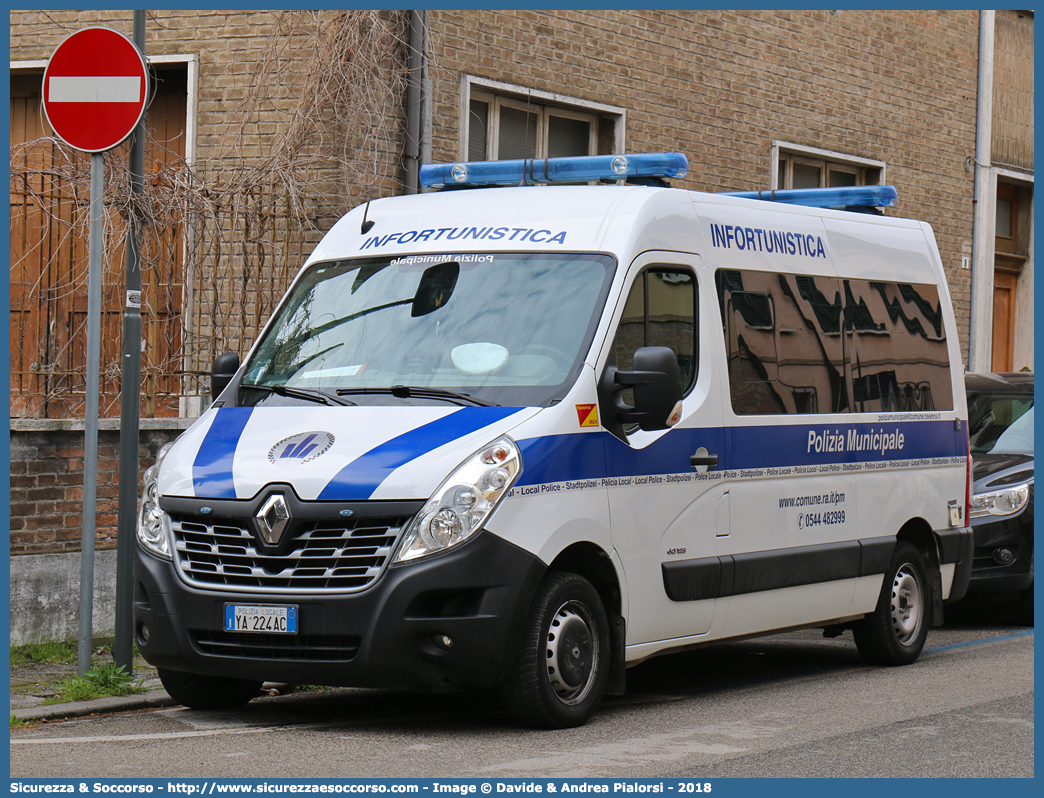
(272,518)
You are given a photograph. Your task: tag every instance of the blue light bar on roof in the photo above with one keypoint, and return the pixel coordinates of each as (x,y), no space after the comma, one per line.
(848,197)
(579,169)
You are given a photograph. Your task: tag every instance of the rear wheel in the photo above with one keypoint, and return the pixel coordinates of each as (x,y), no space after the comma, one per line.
(563,662)
(895,632)
(208,692)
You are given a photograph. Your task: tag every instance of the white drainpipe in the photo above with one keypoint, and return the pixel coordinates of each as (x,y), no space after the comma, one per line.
(984,230)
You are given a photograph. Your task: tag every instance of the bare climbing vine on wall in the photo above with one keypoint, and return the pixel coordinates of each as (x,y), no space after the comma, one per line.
(312,128)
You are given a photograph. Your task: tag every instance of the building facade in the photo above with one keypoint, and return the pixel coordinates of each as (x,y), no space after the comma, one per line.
(265,127)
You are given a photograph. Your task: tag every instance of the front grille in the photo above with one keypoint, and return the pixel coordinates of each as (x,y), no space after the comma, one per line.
(320,557)
(320,648)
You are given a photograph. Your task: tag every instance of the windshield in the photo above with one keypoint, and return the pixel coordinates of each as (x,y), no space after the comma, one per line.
(503,328)
(1001,423)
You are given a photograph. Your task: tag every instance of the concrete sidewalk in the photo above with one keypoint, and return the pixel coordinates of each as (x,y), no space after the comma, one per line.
(33,683)
(98,706)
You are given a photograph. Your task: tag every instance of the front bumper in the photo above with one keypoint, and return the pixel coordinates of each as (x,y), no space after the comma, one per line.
(385,636)
(1015,535)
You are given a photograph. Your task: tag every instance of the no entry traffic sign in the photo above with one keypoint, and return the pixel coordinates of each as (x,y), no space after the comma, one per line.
(95,88)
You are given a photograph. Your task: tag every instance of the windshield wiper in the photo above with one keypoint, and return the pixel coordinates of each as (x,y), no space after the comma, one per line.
(408,392)
(307,394)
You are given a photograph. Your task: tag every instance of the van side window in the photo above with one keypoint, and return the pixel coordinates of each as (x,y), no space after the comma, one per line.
(787,353)
(811,350)
(660,311)
(783,336)
(750,341)
(897,343)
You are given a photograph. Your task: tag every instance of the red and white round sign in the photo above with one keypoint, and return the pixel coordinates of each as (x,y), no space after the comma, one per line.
(95,88)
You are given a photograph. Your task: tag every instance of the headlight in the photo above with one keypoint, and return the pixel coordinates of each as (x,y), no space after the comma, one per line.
(463,502)
(1000,502)
(154,524)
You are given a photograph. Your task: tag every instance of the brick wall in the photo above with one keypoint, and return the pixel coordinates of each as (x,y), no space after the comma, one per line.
(893,86)
(47,481)
(229,45)
(251,250)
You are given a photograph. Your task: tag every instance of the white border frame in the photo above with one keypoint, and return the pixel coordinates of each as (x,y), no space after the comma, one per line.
(1023,345)
(191,62)
(826,155)
(515,91)
(188,406)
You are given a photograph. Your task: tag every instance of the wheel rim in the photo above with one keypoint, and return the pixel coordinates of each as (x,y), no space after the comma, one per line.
(907,604)
(572,652)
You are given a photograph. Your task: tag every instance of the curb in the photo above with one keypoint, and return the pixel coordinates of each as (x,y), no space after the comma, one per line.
(73,709)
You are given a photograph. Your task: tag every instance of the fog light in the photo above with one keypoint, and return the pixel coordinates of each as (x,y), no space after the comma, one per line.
(143,635)
(1003,555)
(443,641)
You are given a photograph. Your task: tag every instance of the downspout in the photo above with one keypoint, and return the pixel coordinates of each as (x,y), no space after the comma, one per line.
(984,225)
(415,68)
(425,133)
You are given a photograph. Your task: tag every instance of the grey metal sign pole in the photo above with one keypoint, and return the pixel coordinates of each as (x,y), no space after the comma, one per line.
(90,433)
(130,398)
(94,93)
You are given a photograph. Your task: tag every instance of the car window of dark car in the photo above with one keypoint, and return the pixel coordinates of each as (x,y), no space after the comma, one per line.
(1000,423)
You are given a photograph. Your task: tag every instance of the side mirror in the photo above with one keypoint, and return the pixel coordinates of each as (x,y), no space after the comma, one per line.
(224,369)
(656,379)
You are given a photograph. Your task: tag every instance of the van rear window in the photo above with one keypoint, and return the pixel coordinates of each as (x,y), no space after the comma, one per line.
(801,344)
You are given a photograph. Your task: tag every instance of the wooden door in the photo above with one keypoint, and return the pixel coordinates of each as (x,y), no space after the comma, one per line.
(48,299)
(1003,321)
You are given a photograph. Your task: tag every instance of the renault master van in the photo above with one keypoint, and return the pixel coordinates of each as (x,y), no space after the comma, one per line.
(522,435)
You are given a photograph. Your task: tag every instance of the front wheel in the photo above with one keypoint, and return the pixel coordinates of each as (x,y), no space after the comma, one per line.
(563,662)
(208,692)
(895,632)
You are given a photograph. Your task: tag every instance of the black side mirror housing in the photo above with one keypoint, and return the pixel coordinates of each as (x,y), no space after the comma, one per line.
(656,379)
(224,369)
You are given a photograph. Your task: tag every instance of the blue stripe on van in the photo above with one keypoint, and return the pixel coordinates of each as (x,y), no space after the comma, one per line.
(794,445)
(359,479)
(575,456)
(212,469)
(559,458)
(667,455)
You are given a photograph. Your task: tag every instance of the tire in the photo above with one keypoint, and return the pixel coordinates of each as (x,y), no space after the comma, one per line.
(1024,607)
(895,632)
(562,667)
(208,692)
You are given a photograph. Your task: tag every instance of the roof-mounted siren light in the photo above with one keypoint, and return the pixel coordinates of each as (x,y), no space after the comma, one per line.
(847,197)
(575,169)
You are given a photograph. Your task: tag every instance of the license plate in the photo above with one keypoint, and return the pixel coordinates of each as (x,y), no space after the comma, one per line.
(268,619)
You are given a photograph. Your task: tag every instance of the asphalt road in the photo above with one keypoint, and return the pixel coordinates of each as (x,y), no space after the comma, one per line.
(793,705)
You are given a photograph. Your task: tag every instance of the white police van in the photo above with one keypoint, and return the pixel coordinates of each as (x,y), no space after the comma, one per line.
(528,436)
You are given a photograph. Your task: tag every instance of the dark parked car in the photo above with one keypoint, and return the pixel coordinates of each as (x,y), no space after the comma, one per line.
(1000,414)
